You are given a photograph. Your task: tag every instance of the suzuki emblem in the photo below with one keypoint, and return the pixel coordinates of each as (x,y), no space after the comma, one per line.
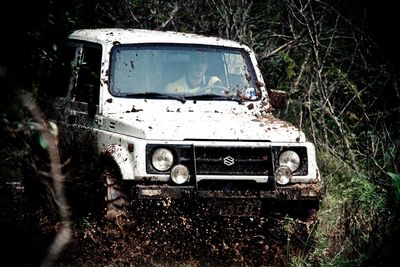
(229,161)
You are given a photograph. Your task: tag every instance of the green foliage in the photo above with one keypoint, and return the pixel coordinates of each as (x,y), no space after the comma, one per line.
(366,196)
(281,71)
(355,214)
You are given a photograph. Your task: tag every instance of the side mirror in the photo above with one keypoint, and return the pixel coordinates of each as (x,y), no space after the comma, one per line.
(278,98)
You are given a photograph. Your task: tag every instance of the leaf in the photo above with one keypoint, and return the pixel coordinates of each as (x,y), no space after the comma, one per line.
(396,184)
(43,142)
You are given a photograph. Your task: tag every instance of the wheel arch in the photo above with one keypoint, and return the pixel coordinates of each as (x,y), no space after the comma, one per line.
(121,158)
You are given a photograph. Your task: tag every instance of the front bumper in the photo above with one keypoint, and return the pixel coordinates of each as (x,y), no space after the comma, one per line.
(310,191)
(299,200)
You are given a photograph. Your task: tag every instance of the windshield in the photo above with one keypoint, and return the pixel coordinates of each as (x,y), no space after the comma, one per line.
(157,70)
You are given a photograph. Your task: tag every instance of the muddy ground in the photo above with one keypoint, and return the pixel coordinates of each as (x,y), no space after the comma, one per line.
(154,237)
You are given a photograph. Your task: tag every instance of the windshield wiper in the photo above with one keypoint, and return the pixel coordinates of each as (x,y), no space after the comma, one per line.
(212,97)
(155,95)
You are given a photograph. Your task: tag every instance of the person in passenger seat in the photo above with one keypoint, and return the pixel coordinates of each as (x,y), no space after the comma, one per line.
(194,79)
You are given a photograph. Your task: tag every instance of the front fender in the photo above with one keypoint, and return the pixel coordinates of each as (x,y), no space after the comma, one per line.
(123,158)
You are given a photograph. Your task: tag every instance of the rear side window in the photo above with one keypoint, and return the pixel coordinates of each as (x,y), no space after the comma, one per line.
(75,72)
(57,80)
(87,69)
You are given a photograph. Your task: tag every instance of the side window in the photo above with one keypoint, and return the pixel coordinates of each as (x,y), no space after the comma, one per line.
(58,80)
(87,82)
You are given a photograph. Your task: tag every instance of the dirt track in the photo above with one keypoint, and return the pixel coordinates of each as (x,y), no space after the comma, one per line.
(154,238)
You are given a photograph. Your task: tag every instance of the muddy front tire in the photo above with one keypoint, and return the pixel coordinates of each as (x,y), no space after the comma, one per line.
(114,199)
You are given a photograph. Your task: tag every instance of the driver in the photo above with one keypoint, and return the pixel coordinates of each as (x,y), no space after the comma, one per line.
(194,78)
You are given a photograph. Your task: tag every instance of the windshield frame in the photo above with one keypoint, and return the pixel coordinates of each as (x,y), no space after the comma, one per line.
(245,55)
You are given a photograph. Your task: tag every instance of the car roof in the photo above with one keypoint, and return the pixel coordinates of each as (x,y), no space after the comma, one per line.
(109,36)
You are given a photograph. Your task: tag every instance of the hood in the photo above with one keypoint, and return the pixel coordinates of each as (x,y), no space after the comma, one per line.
(203,126)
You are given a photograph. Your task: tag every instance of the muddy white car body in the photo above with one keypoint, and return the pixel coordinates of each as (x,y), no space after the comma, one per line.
(224,144)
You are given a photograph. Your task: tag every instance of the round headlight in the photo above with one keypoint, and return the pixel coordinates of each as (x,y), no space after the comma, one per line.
(180,174)
(290,159)
(162,159)
(283,175)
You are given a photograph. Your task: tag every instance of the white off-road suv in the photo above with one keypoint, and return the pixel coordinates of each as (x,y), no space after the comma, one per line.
(123,109)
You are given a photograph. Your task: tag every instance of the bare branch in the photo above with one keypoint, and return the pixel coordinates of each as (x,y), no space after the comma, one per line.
(64,235)
(131,13)
(276,50)
(171,17)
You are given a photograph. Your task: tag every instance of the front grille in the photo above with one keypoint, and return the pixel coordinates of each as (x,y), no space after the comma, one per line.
(233,160)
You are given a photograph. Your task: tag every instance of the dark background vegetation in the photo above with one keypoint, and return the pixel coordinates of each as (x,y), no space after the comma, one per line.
(337,59)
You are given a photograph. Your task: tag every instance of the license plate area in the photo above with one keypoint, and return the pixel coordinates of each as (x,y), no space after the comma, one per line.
(232,207)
